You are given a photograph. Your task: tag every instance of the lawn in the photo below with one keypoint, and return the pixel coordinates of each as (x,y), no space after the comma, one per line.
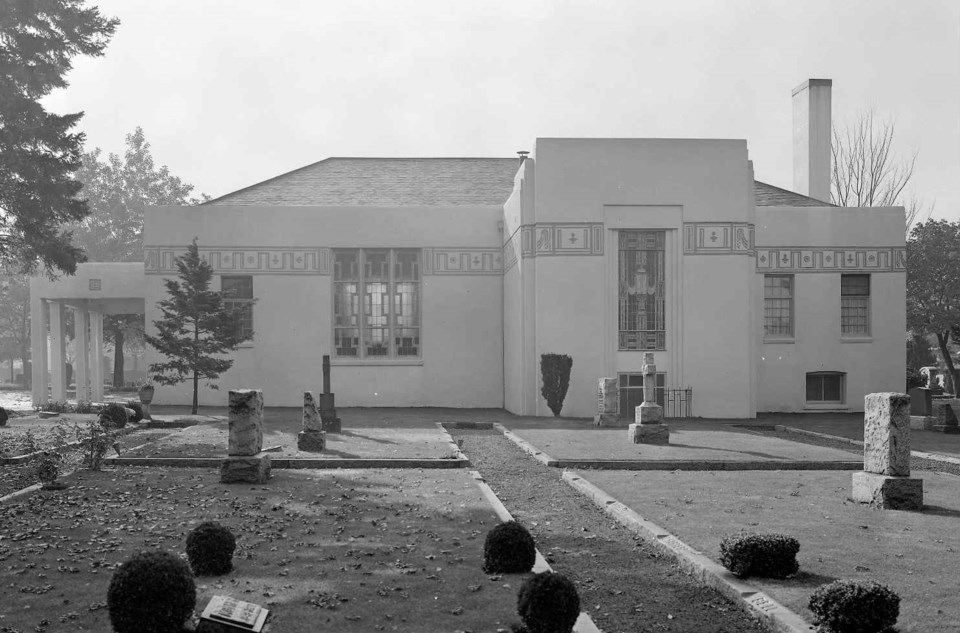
(346,550)
(915,554)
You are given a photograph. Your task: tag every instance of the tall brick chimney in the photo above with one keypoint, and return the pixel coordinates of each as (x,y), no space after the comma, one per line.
(811,138)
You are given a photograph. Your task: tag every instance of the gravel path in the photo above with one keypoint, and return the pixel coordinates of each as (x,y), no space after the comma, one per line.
(625,585)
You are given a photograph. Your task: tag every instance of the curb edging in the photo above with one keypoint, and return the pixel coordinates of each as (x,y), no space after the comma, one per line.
(934,457)
(694,562)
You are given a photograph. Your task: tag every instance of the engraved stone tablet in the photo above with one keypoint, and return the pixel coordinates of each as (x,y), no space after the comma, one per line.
(886,434)
(237,614)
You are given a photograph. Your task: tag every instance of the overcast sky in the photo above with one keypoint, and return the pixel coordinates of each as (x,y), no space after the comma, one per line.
(232,92)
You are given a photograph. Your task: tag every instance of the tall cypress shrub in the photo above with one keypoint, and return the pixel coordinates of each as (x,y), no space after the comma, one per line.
(555,371)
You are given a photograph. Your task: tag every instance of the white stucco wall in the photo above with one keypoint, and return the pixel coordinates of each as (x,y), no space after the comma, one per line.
(461,363)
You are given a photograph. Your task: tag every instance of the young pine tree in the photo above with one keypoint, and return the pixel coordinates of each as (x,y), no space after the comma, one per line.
(196,327)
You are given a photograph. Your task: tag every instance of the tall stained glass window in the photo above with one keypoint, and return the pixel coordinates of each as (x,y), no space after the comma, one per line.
(642,297)
(376,302)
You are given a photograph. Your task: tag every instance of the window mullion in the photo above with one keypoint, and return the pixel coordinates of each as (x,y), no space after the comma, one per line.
(390,299)
(362,292)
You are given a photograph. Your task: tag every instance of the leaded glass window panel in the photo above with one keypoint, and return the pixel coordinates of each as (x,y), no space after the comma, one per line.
(238,296)
(642,285)
(855,305)
(778,306)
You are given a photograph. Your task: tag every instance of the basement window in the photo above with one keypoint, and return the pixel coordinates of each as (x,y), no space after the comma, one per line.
(826,387)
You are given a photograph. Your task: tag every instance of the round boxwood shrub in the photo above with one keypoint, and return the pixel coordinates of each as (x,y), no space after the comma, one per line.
(137,409)
(548,603)
(509,549)
(3,416)
(855,606)
(764,555)
(151,592)
(114,415)
(210,549)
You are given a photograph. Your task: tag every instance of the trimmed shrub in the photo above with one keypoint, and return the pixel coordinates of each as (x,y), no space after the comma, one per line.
(210,549)
(855,606)
(509,549)
(555,372)
(548,603)
(151,592)
(114,415)
(4,416)
(137,410)
(765,555)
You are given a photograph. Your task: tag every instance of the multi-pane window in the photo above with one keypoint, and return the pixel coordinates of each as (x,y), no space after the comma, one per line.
(855,305)
(642,301)
(778,306)
(825,387)
(376,302)
(238,296)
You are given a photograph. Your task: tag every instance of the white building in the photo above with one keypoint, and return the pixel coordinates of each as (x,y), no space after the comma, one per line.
(441,281)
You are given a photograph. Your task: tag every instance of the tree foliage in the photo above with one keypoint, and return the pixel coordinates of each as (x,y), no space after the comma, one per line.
(38,151)
(196,327)
(933,284)
(865,171)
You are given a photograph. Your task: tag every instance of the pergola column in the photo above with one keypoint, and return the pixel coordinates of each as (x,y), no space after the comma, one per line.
(39,320)
(96,356)
(81,320)
(58,351)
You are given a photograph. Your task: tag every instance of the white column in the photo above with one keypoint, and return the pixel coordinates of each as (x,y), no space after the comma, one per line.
(81,320)
(96,356)
(58,351)
(39,318)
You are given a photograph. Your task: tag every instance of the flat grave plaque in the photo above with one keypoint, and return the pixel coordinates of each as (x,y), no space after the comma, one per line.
(244,616)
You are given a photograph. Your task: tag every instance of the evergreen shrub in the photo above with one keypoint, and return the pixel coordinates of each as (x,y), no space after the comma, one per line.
(509,549)
(114,415)
(765,555)
(4,416)
(548,603)
(151,592)
(855,606)
(210,548)
(555,372)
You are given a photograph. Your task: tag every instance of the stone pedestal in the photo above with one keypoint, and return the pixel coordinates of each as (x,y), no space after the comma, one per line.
(648,426)
(944,410)
(649,433)
(246,422)
(246,469)
(328,413)
(921,401)
(311,441)
(608,395)
(885,481)
(888,493)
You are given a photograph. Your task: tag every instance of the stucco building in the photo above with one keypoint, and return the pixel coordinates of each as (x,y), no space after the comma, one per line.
(441,281)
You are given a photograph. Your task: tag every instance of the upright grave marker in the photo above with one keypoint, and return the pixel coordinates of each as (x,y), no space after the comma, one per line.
(311,438)
(885,481)
(608,393)
(328,409)
(649,427)
(246,463)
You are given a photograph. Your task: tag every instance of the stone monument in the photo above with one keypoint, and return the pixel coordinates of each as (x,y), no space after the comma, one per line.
(885,481)
(608,393)
(328,409)
(311,438)
(245,463)
(648,427)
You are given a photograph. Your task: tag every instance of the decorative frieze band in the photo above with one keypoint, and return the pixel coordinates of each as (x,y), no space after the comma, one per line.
(718,238)
(561,238)
(819,259)
(282,260)
(462,261)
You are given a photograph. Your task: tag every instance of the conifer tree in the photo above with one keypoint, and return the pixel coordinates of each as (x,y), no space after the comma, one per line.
(38,150)
(196,327)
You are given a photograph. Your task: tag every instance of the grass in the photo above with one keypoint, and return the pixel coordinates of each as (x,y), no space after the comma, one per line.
(915,554)
(344,550)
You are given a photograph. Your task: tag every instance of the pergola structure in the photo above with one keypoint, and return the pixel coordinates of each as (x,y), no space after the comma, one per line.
(96,289)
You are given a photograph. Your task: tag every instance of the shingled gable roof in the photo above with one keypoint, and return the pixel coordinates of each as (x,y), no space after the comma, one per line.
(385,182)
(393,182)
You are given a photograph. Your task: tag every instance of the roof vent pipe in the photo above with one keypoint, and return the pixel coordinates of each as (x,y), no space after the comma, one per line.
(523,155)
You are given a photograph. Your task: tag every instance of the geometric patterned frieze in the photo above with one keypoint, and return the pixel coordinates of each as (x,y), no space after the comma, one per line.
(260,260)
(718,238)
(819,259)
(561,238)
(462,261)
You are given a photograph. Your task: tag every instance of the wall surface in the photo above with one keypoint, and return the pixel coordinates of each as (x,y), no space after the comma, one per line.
(816,246)
(287,251)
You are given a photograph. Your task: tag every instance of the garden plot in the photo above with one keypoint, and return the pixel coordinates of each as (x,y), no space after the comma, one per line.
(915,554)
(343,550)
(211,440)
